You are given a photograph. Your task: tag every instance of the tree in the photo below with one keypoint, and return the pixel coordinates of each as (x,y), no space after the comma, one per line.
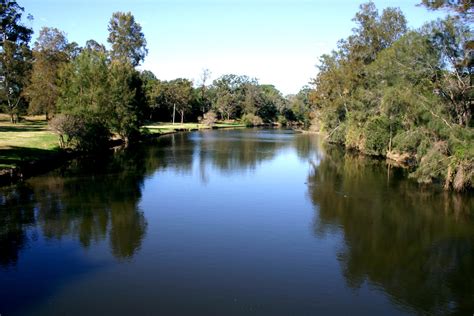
(126,101)
(203,95)
(455,82)
(127,40)
(178,93)
(461,7)
(229,94)
(95,46)
(149,83)
(50,54)
(15,57)
(83,101)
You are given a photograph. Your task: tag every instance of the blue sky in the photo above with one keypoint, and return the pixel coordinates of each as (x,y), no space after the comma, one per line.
(276,41)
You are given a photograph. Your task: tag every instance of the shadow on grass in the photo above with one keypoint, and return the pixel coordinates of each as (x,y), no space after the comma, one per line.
(24,127)
(18,156)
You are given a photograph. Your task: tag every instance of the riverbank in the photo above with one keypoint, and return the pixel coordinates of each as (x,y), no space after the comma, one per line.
(29,147)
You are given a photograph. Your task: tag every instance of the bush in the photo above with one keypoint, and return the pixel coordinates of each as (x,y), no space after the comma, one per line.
(433,165)
(354,135)
(338,134)
(251,120)
(80,132)
(210,118)
(282,120)
(376,136)
(408,141)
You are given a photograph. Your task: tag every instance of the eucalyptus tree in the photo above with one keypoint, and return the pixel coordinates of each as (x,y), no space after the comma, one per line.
(50,54)
(127,39)
(178,94)
(229,94)
(15,57)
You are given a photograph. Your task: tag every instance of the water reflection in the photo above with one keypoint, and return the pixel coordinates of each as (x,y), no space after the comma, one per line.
(98,199)
(412,244)
(416,244)
(89,200)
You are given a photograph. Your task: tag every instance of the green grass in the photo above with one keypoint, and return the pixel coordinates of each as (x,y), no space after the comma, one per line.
(25,141)
(31,140)
(163,128)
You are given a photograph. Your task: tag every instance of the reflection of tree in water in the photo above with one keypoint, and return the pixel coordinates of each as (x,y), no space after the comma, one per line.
(16,213)
(88,200)
(417,244)
(240,150)
(95,199)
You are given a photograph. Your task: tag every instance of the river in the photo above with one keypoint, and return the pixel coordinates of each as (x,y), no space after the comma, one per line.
(234,222)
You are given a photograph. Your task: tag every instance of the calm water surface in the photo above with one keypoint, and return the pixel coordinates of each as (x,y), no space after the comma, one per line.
(236,222)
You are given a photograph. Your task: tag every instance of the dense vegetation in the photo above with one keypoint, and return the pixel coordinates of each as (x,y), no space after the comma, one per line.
(385,91)
(405,94)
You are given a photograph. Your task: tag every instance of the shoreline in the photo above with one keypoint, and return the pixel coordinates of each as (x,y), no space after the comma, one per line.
(30,168)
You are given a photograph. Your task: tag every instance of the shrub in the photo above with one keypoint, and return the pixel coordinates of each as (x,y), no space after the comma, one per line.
(80,132)
(209,119)
(354,135)
(376,136)
(251,120)
(338,134)
(433,165)
(408,141)
(282,120)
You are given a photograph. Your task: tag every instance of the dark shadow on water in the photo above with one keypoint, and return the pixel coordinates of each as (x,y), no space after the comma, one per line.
(82,203)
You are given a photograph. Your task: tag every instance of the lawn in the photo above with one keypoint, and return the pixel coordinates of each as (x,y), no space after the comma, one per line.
(163,128)
(25,141)
(31,140)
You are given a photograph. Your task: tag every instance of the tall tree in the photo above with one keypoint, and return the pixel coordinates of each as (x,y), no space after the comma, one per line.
(203,99)
(15,56)
(127,39)
(178,94)
(50,53)
(126,101)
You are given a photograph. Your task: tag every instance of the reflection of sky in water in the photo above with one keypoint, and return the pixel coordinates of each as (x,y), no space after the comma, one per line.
(231,222)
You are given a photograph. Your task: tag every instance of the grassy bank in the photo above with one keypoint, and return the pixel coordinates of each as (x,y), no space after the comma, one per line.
(166,128)
(29,146)
(24,142)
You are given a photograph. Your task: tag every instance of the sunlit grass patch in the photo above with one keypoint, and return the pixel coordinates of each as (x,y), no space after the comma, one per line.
(27,140)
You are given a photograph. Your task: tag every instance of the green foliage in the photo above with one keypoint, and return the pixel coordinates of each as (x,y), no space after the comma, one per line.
(433,164)
(409,92)
(251,120)
(50,55)
(338,134)
(15,57)
(126,98)
(408,141)
(127,40)
(376,136)
(80,132)
(102,93)
(282,120)
(354,135)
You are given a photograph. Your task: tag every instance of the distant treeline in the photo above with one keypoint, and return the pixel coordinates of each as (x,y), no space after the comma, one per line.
(91,93)
(405,94)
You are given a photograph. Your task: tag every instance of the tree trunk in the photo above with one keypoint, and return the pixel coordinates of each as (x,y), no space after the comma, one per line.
(182,117)
(174,110)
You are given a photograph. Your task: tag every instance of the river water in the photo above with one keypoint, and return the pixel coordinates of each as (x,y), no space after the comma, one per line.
(234,222)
